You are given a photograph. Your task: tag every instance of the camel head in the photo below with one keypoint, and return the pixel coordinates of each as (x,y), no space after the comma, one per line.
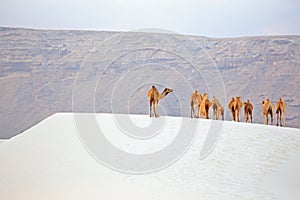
(167,90)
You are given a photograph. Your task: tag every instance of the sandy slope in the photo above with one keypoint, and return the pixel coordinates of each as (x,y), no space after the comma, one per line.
(253,161)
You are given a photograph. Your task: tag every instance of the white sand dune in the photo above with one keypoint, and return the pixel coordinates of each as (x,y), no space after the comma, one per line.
(249,161)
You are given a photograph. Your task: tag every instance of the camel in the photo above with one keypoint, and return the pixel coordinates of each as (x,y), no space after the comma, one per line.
(238,106)
(281,109)
(231,106)
(154,97)
(267,109)
(248,108)
(235,106)
(217,108)
(204,107)
(196,100)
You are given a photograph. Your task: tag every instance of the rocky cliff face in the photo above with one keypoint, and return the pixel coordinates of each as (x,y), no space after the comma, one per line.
(44,72)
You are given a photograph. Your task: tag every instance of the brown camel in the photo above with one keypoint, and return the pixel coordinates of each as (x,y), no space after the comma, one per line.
(196,100)
(217,108)
(248,108)
(204,107)
(231,106)
(154,97)
(235,106)
(281,109)
(238,106)
(267,109)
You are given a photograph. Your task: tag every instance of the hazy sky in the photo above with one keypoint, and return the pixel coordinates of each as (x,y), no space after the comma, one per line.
(215,18)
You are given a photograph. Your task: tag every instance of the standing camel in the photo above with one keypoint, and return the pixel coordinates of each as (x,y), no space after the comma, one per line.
(238,106)
(196,100)
(267,109)
(231,106)
(248,108)
(204,107)
(281,109)
(154,97)
(217,108)
(235,106)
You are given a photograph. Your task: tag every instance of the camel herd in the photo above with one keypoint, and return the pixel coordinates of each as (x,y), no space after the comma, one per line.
(200,106)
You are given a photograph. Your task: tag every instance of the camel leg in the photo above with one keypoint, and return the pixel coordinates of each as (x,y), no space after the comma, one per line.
(238,116)
(156,110)
(272,119)
(251,117)
(192,111)
(198,112)
(280,119)
(284,118)
(233,115)
(206,114)
(153,112)
(151,108)
(267,119)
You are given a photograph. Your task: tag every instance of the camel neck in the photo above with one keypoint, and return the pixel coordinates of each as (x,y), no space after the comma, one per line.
(162,95)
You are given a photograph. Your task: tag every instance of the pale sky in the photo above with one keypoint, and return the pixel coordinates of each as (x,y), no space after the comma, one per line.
(214,18)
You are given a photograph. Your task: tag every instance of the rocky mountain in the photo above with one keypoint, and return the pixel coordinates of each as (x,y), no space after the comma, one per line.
(43,72)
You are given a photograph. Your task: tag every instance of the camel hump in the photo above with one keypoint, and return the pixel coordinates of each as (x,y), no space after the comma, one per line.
(152,92)
(231,103)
